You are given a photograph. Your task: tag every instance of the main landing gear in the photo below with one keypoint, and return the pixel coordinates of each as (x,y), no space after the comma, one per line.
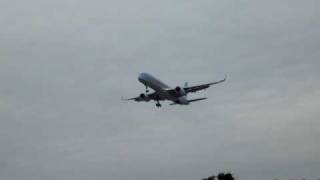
(158,103)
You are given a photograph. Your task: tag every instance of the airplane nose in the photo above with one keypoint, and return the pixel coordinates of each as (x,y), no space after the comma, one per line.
(141,77)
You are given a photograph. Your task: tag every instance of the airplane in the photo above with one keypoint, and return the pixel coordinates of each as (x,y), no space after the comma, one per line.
(162,92)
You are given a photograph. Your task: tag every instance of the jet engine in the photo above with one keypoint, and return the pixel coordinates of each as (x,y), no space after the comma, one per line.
(144,97)
(180,91)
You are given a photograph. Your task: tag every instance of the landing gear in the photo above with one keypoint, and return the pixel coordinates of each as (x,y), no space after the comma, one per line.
(147,89)
(158,103)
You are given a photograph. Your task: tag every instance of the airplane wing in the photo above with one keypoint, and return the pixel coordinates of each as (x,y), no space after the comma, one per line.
(193,89)
(147,97)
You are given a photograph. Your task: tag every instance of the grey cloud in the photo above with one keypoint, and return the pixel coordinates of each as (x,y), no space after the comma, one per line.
(64,66)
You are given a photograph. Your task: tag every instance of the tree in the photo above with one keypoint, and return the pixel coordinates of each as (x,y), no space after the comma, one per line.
(210,178)
(221,176)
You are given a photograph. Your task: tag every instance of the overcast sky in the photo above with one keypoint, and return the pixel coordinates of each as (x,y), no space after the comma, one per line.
(65,64)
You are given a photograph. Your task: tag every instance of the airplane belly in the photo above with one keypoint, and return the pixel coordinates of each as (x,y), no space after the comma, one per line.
(183,100)
(152,82)
(160,88)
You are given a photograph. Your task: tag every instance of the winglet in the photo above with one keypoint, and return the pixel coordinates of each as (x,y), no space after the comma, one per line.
(225,77)
(217,82)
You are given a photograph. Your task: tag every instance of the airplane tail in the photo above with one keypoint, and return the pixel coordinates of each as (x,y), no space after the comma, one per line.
(186,86)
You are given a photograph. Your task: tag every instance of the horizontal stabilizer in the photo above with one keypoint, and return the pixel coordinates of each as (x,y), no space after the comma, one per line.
(199,99)
(192,100)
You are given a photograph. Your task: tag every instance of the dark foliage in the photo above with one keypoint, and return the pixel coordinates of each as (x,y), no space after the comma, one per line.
(210,178)
(221,176)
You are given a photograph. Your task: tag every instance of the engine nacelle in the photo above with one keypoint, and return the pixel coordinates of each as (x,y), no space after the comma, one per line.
(180,91)
(144,97)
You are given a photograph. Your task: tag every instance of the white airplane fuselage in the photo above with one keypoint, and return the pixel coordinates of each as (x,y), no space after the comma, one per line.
(160,87)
